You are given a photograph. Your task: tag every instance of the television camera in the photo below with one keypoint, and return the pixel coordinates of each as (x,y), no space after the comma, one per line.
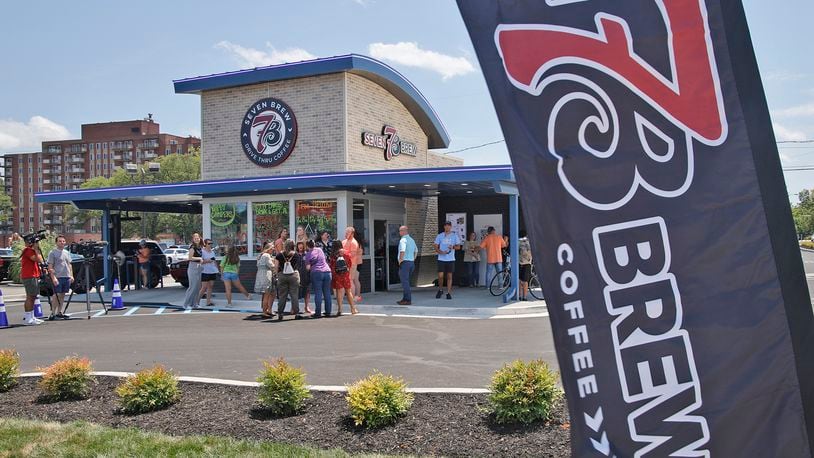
(35,237)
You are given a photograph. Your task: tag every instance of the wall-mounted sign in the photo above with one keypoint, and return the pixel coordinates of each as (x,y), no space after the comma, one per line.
(390,142)
(268,132)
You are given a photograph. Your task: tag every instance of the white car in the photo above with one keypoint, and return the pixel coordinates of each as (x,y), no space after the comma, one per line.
(176,255)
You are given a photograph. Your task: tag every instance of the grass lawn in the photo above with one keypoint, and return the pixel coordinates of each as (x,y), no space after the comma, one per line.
(36,438)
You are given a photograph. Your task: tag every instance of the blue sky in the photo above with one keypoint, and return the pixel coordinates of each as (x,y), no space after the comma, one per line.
(67,63)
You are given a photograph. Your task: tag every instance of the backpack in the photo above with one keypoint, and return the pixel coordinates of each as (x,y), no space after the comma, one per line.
(341,265)
(287,268)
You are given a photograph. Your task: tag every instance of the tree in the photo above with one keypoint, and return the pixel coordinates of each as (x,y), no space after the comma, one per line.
(803,214)
(174,168)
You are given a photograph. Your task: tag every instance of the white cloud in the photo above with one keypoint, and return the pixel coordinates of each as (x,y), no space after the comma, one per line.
(783,76)
(251,57)
(794,112)
(410,55)
(28,136)
(784,133)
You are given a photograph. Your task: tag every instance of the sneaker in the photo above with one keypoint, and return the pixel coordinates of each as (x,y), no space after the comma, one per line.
(33,322)
(449,296)
(438,294)
(403,302)
(299,317)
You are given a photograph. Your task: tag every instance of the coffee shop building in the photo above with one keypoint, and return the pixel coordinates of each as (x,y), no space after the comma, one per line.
(322,144)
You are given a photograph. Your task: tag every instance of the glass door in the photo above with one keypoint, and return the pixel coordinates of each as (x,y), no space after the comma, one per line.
(380,255)
(393,256)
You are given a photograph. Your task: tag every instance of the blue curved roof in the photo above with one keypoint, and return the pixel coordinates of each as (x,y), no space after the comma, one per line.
(372,69)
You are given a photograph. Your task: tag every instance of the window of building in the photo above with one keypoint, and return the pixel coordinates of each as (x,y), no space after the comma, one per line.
(228,225)
(167,150)
(135,130)
(316,215)
(269,218)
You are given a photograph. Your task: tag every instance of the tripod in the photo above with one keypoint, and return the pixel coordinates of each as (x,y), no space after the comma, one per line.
(88,274)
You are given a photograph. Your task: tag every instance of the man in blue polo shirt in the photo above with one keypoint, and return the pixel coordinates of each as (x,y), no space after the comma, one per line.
(407,253)
(445,245)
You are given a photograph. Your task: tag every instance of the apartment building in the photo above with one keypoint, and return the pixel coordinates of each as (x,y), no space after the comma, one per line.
(66,164)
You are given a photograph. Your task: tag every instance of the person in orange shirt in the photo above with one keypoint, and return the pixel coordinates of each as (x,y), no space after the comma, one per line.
(493,244)
(354,250)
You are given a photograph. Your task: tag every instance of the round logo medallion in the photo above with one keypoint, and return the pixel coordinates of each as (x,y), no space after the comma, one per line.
(268,132)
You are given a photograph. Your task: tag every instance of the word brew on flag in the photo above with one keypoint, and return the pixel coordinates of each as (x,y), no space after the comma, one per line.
(652,188)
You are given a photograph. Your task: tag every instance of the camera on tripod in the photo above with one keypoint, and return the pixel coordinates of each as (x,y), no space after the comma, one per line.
(35,237)
(89,249)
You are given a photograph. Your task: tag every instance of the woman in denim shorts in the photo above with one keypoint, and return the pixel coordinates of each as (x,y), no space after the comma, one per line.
(229,269)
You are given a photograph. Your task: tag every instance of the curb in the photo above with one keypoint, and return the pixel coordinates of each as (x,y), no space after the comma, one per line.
(326,388)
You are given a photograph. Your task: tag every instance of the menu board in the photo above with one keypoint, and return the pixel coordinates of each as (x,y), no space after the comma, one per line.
(269,219)
(316,215)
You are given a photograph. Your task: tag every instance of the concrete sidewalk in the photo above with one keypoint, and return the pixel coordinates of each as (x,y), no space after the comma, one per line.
(466,303)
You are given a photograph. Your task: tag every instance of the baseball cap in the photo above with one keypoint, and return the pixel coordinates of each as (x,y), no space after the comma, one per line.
(448,223)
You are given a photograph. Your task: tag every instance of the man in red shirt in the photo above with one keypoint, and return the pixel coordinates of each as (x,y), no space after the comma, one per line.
(30,260)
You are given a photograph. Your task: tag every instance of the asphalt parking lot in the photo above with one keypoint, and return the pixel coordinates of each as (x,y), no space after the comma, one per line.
(333,351)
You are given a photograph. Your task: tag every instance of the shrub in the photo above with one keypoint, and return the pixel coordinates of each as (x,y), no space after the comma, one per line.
(378,400)
(9,369)
(523,392)
(67,379)
(282,388)
(807,244)
(148,390)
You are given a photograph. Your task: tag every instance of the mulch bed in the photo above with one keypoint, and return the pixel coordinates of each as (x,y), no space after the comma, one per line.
(437,424)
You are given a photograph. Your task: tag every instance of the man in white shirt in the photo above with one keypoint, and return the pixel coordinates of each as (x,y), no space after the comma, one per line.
(445,245)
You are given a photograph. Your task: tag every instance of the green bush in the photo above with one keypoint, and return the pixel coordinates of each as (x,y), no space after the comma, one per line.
(9,369)
(807,244)
(282,388)
(67,379)
(378,400)
(148,390)
(523,392)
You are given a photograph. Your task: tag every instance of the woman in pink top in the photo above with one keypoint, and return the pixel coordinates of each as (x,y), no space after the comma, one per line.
(354,250)
(320,278)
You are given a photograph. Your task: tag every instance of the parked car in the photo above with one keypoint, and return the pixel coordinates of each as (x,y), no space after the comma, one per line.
(176,254)
(6,258)
(178,271)
(158,260)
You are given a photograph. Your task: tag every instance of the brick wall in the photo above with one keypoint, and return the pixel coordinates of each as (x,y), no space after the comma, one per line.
(317,103)
(370,107)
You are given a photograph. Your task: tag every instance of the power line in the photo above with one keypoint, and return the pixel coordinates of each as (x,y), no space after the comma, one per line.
(474,147)
(501,141)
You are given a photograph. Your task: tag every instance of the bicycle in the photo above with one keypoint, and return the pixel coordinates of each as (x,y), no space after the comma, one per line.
(501,282)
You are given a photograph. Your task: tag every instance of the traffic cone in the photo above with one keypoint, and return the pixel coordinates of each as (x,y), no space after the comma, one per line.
(116,303)
(37,308)
(3,316)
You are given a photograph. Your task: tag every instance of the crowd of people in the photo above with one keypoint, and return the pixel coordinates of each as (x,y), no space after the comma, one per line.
(288,270)
(292,270)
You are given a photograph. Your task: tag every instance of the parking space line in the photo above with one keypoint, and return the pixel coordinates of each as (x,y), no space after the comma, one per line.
(131,311)
(100,313)
(160,311)
(188,310)
(215,310)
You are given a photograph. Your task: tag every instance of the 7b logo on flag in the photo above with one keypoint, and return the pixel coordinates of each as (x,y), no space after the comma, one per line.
(689,100)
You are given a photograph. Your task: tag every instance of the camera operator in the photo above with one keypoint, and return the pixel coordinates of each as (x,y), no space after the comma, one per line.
(61,272)
(30,261)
